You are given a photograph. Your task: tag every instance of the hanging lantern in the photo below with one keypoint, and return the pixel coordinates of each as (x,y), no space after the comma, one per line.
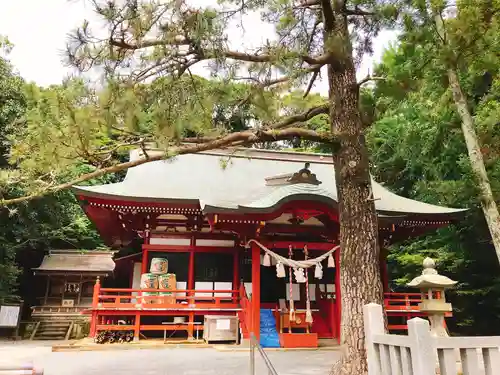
(280,270)
(331,261)
(299,275)
(318,271)
(267,260)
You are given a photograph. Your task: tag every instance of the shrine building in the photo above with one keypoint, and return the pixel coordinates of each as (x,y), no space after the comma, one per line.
(243,233)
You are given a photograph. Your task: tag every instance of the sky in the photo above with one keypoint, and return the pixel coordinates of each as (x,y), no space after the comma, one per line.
(39,29)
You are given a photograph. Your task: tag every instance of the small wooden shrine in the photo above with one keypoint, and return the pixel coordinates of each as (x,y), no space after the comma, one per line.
(67,278)
(64,290)
(247,233)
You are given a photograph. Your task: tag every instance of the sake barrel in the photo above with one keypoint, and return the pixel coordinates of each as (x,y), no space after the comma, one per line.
(167,281)
(166,298)
(159,266)
(149,300)
(149,281)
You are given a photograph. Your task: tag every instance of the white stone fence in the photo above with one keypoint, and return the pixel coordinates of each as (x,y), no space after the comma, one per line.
(419,353)
(19,370)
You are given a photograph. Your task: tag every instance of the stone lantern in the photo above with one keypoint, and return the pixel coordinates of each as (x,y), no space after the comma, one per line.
(432,287)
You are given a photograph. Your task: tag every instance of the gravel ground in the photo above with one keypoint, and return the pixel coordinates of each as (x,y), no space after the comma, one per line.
(175,361)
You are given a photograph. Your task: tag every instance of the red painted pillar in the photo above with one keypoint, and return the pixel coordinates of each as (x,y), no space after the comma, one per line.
(256,291)
(338,294)
(137,327)
(190,283)
(95,304)
(144,268)
(236,273)
(93,324)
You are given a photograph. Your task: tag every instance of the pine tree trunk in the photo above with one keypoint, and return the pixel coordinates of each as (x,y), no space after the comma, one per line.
(360,279)
(488,203)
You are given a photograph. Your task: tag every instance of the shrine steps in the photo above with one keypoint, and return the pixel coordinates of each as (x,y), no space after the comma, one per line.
(269,337)
(52,330)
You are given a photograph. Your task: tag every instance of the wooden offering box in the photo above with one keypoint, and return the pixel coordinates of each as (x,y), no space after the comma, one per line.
(221,328)
(299,340)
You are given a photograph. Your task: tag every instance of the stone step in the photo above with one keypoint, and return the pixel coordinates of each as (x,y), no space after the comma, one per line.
(53,332)
(54,329)
(55,324)
(45,337)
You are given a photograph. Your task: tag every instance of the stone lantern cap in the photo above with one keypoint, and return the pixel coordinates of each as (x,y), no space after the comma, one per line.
(430,278)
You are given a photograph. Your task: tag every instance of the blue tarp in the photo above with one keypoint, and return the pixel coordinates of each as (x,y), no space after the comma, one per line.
(268,335)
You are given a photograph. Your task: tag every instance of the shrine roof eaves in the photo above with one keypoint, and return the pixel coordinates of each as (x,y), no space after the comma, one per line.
(235,179)
(77,261)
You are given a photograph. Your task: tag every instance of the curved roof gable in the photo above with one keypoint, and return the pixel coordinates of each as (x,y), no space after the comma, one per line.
(239,180)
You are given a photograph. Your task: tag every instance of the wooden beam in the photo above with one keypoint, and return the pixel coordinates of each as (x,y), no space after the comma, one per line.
(188,248)
(47,287)
(64,289)
(289,228)
(80,285)
(299,245)
(164,312)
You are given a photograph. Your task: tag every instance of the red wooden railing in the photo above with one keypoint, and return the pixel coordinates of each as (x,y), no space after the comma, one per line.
(123,298)
(246,312)
(396,304)
(407,302)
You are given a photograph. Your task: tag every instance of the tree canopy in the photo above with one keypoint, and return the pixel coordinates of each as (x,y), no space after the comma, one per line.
(404,126)
(418,150)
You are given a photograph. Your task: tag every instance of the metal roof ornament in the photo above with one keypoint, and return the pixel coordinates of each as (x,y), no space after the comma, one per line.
(304,176)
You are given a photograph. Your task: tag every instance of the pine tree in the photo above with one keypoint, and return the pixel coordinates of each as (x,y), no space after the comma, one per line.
(147,39)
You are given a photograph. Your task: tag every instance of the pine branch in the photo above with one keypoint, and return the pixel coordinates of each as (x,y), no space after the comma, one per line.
(198,144)
(301,117)
(328,15)
(311,83)
(206,54)
(370,78)
(357,11)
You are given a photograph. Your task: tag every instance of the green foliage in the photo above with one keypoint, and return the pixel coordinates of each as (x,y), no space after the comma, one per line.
(418,150)
(55,221)
(12,100)
(73,123)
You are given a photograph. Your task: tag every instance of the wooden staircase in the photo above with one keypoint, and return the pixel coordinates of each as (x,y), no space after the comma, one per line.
(52,330)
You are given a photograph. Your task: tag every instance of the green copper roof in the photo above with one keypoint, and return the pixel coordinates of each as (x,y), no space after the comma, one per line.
(236,180)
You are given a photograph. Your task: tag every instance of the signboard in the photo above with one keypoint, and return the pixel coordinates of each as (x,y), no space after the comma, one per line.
(223,324)
(68,302)
(9,316)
